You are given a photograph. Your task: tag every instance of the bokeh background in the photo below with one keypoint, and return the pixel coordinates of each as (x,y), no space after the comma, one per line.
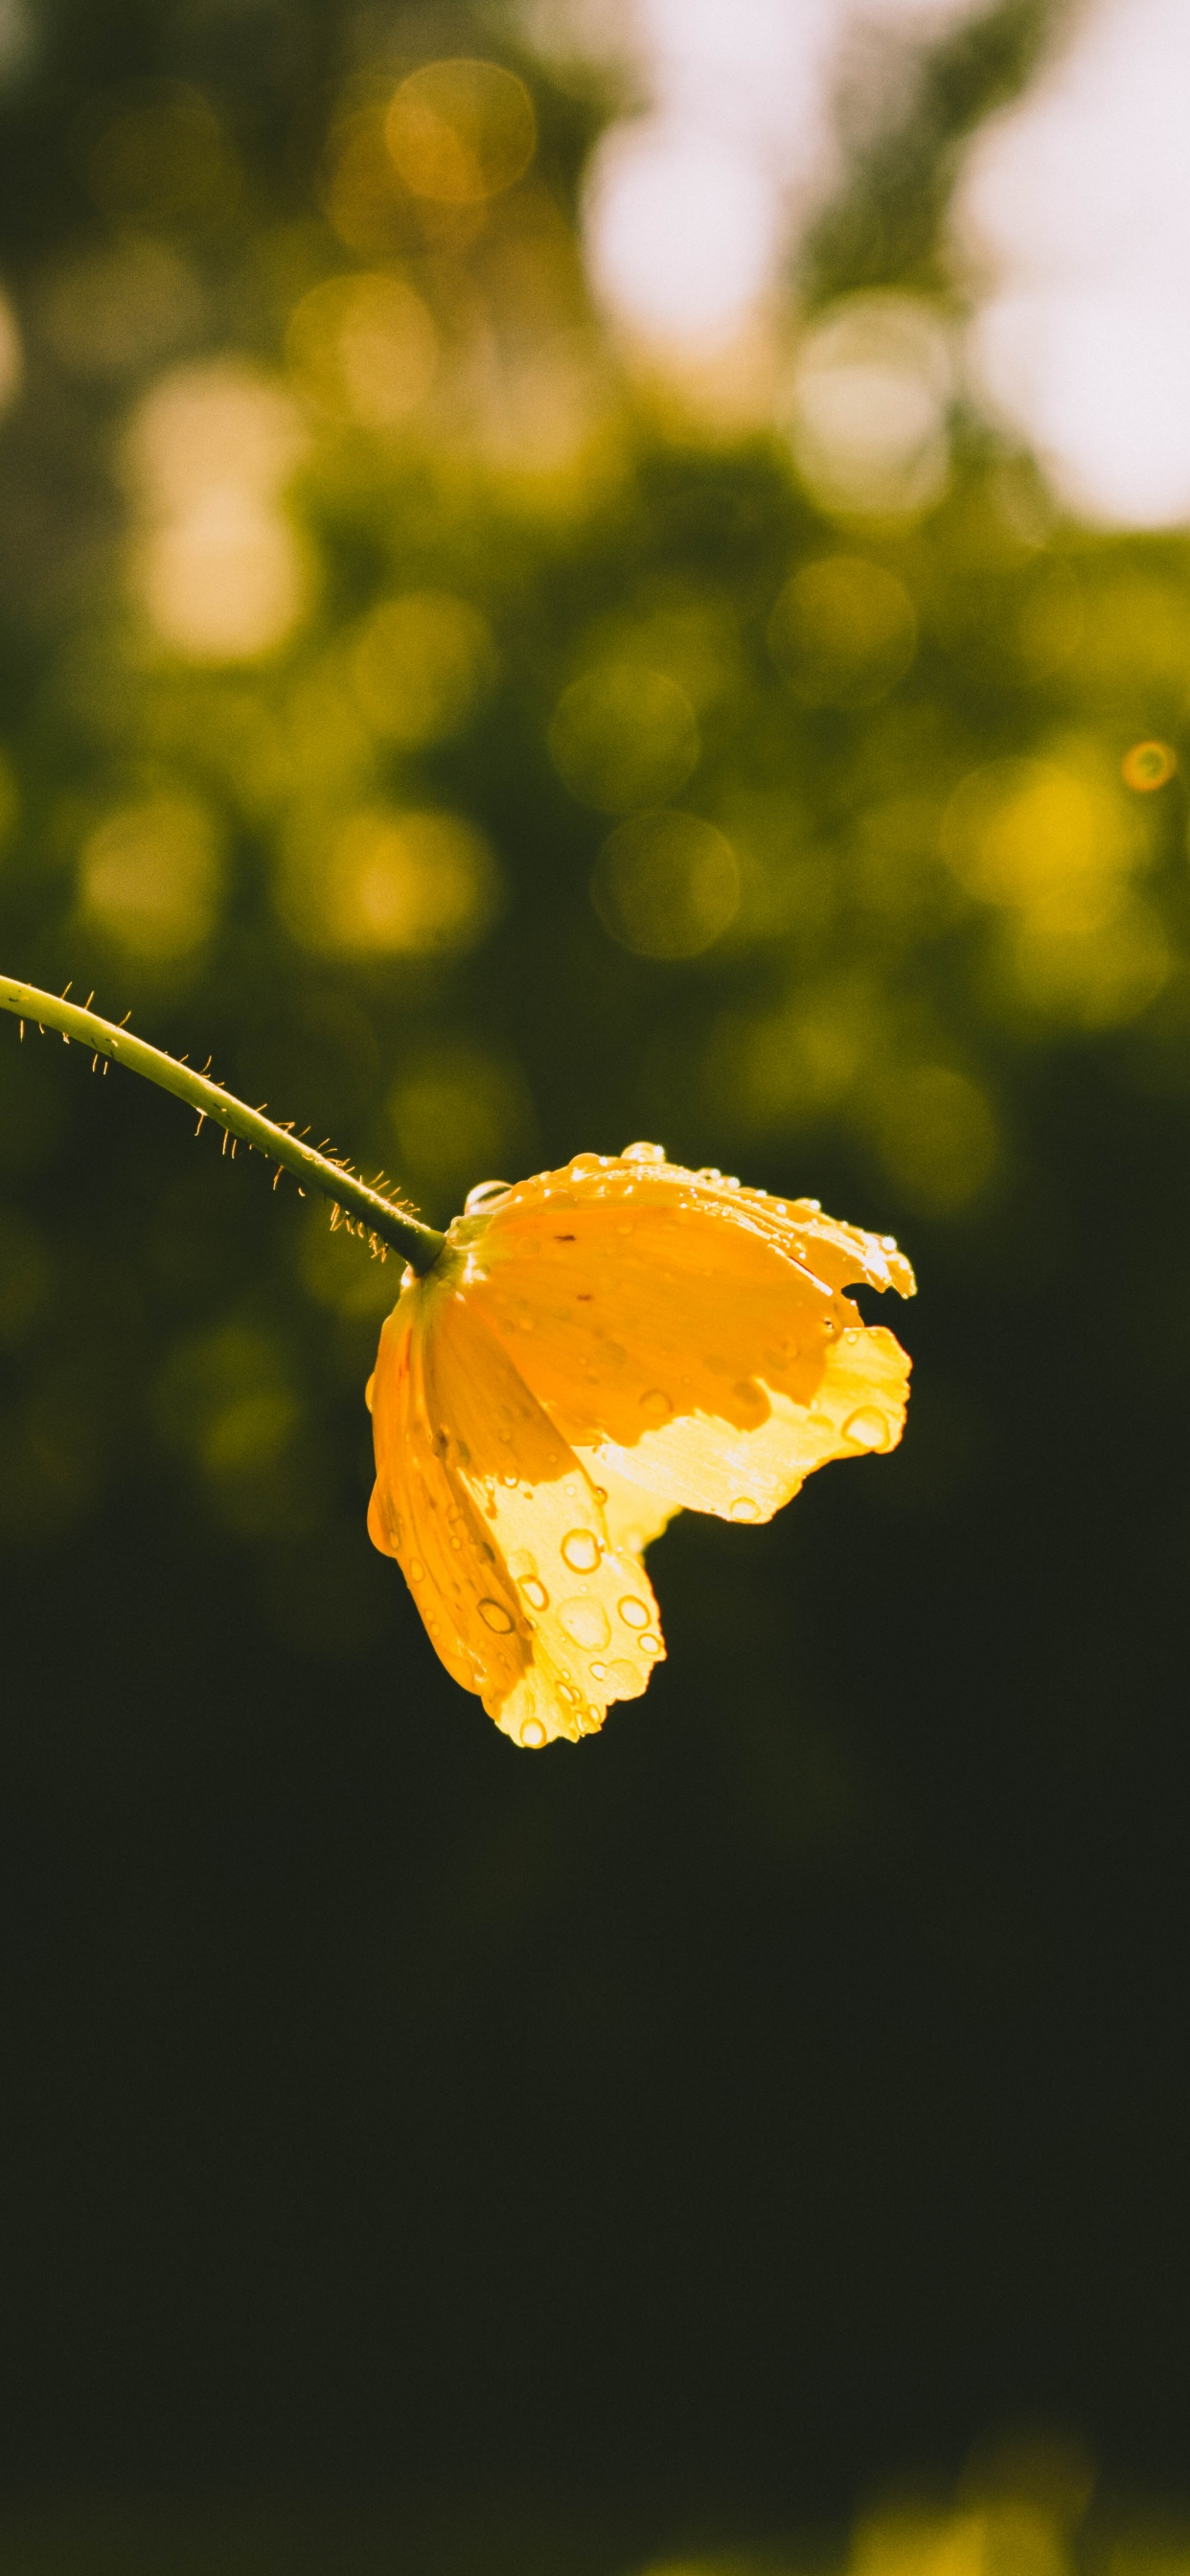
(570,573)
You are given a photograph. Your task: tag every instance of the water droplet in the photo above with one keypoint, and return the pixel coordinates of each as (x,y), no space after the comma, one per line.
(781,1207)
(600,1493)
(509,1477)
(496,1616)
(368,1390)
(535,1593)
(867,1429)
(417,1571)
(532,1733)
(483,1196)
(650,1645)
(751,1401)
(633,1612)
(643,1154)
(586,1621)
(655,1405)
(599,1672)
(888,1243)
(731,1180)
(709,1172)
(581,1164)
(744,1509)
(567,1691)
(581,1551)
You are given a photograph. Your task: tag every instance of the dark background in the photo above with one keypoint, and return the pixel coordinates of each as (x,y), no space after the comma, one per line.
(693,2131)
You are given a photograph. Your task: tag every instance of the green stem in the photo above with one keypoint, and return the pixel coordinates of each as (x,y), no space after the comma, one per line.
(377,1216)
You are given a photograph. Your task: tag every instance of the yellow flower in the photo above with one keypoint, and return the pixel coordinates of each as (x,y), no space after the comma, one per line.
(595,1350)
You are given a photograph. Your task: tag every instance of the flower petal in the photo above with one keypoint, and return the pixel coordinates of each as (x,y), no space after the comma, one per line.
(639,1299)
(702,1464)
(525,1597)
(634,1517)
(417,1515)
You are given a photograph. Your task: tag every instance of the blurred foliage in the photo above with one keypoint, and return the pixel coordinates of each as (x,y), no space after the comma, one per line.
(364,590)
(488,754)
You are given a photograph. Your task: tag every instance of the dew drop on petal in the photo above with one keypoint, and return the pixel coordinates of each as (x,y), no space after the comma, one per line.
(580,1551)
(650,1645)
(867,1429)
(582,1164)
(599,1672)
(532,1733)
(633,1612)
(496,1616)
(417,1571)
(744,1509)
(535,1593)
(484,1195)
(643,1154)
(509,1477)
(655,1405)
(586,1621)
(624,1676)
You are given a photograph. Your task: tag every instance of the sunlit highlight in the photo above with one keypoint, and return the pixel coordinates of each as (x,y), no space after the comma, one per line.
(1071,217)
(151,878)
(461,131)
(869,401)
(362,349)
(385,883)
(218,564)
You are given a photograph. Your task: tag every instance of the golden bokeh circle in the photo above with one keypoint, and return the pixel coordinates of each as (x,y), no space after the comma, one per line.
(1148,765)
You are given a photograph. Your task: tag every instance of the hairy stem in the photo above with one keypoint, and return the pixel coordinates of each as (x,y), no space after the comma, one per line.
(377,1216)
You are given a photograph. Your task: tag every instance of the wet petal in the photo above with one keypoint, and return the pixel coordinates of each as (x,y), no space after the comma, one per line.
(638,1297)
(706,1465)
(585,1606)
(500,1531)
(634,1517)
(598,1349)
(418,1515)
